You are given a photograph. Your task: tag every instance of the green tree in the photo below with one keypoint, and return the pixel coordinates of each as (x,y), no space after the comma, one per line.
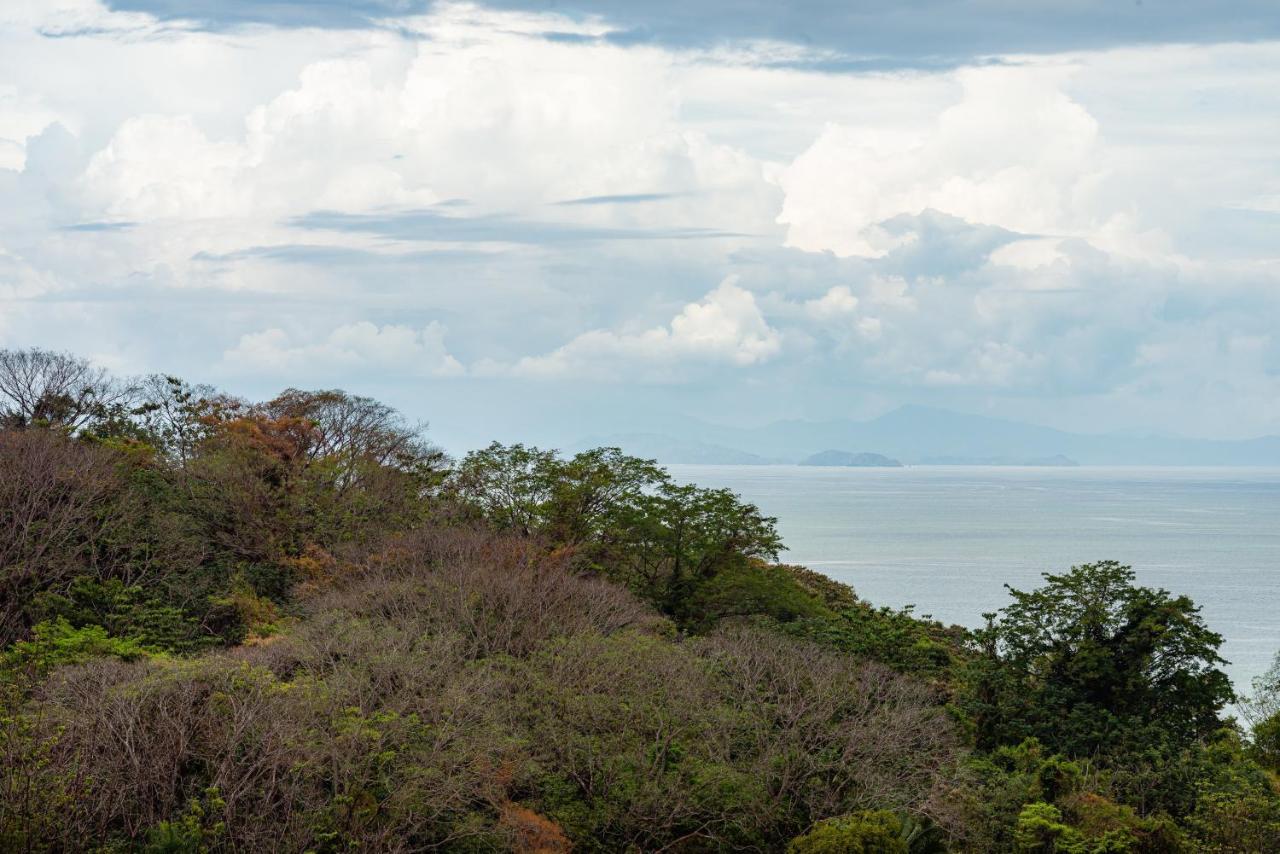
(624,517)
(1261,710)
(1091,663)
(1040,830)
(47,389)
(590,489)
(671,542)
(56,643)
(509,486)
(869,832)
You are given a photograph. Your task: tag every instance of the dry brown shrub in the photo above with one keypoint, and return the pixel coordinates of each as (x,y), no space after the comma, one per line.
(136,743)
(443,681)
(631,722)
(831,734)
(55,503)
(502,595)
(534,834)
(314,569)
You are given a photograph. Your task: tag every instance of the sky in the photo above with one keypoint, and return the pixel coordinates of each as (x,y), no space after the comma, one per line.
(549,220)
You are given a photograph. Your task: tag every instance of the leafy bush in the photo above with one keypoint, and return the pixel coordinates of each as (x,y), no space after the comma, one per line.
(874,832)
(57,643)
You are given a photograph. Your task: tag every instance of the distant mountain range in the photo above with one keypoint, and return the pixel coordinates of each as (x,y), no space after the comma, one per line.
(923,435)
(666,449)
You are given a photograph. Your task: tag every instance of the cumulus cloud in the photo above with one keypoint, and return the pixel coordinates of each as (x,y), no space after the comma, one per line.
(726,327)
(1041,227)
(354,347)
(476,111)
(159,167)
(836,313)
(1015,152)
(20,280)
(838,302)
(22,116)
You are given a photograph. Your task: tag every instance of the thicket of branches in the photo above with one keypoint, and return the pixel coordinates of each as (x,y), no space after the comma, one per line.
(295,625)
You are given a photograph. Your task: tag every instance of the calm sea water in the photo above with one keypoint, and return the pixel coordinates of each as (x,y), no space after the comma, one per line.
(946,539)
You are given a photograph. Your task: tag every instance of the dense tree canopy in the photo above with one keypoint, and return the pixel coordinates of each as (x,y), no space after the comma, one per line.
(295,625)
(1090,661)
(624,517)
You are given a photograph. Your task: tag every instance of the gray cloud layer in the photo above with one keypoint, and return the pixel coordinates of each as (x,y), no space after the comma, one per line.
(867,34)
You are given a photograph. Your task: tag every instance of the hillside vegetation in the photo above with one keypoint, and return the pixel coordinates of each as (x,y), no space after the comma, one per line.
(294,625)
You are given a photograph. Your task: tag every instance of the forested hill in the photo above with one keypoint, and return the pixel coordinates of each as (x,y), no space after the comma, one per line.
(295,625)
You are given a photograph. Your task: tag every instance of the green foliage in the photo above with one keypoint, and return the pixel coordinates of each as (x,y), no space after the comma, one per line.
(1092,663)
(1040,831)
(1003,782)
(625,518)
(56,643)
(532,652)
(1261,710)
(1237,823)
(1266,743)
(676,539)
(1211,798)
(752,588)
(1237,805)
(197,831)
(895,637)
(871,832)
(1022,796)
(627,729)
(125,610)
(827,590)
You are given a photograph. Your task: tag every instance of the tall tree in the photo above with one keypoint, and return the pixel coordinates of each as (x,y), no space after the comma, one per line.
(56,502)
(1092,662)
(44,388)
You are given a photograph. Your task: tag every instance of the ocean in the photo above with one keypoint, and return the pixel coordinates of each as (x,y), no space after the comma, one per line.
(946,539)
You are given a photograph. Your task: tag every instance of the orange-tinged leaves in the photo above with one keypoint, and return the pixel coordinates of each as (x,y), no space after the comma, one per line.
(534,834)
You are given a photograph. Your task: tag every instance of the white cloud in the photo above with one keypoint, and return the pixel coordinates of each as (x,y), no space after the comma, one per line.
(22,116)
(19,280)
(870,327)
(157,167)
(1014,152)
(488,114)
(838,302)
(1029,254)
(726,327)
(361,346)
(1115,164)
(836,313)
(991,364)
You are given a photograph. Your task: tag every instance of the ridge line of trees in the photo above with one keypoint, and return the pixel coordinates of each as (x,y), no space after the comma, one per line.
(296,625)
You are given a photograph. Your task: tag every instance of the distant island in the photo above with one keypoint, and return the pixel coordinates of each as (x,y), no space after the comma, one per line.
(922,435)
(849,459)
